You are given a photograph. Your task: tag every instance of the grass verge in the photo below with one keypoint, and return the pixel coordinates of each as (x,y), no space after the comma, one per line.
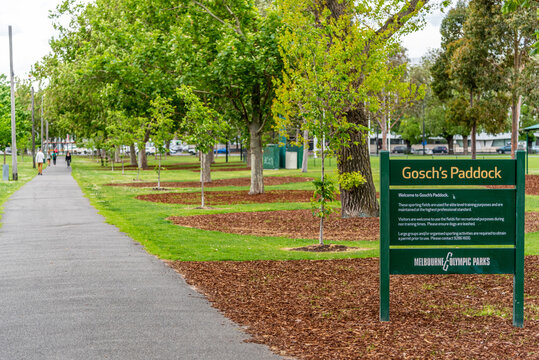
(25,172)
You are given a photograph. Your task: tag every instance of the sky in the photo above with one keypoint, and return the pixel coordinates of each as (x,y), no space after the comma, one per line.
(32,30)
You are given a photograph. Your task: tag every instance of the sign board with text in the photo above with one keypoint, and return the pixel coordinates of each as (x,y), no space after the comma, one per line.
(460,229)
(451,216)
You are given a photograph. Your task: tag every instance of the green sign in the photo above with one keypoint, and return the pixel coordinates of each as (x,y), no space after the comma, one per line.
(452,261)
(452,216)
(421,227)
(452,172)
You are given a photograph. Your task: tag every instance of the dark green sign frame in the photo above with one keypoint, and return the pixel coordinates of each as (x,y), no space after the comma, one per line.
(421,229)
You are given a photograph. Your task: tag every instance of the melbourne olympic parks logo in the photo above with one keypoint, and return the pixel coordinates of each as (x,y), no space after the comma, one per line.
(450,261)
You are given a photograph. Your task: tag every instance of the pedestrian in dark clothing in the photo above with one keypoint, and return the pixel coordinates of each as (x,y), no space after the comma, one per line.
(68,158)
(54,155)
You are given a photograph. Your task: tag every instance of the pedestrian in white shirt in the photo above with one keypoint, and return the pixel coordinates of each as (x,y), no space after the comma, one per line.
(40,157)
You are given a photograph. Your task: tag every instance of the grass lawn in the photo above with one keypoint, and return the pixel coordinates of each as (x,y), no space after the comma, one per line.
(147,222)
(25,173)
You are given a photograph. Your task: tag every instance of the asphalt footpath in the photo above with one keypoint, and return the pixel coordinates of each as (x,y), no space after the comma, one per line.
(74,287)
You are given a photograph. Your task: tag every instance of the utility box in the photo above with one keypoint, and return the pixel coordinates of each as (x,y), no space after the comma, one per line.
(299,151)
(291,160)
(271,157)
(5,172)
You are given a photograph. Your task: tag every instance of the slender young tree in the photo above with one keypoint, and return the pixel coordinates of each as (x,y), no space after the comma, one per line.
(162,130)
(202,126)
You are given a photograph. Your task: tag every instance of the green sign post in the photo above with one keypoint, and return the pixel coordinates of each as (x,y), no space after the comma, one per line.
(427,230)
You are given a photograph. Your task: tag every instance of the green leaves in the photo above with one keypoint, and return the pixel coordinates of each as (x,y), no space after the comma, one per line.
(325,191)
(202,125)
(349,180)
(162,124)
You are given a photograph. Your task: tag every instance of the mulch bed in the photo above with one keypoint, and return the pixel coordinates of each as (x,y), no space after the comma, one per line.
(230,197)
(187,166)
(532,185)
(288,223)
(226,169)
(329,310)
(298,224)
(245,181)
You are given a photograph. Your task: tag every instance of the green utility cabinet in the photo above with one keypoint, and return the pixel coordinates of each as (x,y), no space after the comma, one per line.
(271,157)
(275,156)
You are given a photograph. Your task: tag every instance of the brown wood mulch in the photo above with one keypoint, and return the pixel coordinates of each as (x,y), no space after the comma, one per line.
(230,197)
(298,224)
(532,185)
(329,310)
(245,181)
(287,223)
(185,166)
(244,168)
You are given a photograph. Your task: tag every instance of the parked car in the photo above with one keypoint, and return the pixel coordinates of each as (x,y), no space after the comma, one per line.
(419,151)
(400,149)
(504,149)
(439,150)
(220,151)
(507,147)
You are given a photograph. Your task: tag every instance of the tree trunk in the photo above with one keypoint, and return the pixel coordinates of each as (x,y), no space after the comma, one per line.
(139,165)
(211,156)
(117,155)
(359,201)
(384,133)
(248,158)
(142,150)
(257,164)
(449,139)
(465,144)
(205,166)
(143,158)
(133,155)
(474,130)
(474,141)
(305,161)
(321,233)
(101,156)
(515,115)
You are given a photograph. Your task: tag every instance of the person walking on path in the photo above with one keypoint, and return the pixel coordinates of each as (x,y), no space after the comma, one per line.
(68,158)
(49,157)
(40,157)
(54,155)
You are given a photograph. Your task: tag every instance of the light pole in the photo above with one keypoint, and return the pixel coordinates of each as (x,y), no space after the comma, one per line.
(423,142)
(15,175)
(41,133)
(33,132)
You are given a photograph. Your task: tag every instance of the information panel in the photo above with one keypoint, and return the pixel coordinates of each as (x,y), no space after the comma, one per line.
(428,229)
(452,216)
